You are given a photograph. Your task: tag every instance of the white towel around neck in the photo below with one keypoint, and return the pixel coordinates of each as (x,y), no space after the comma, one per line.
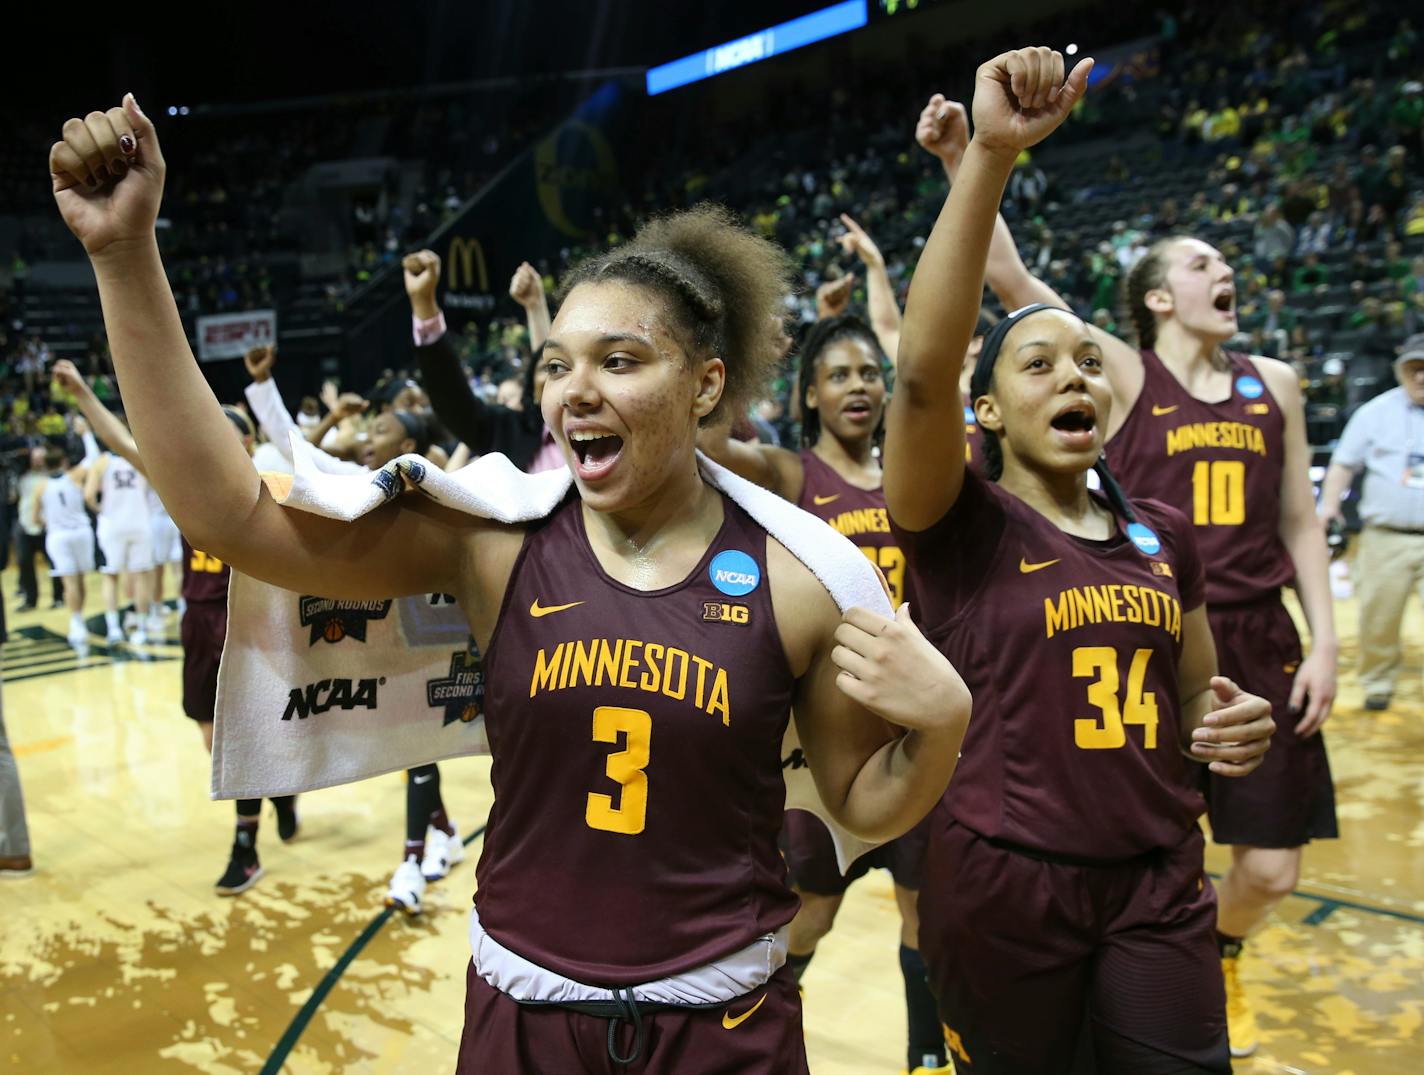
(314,692)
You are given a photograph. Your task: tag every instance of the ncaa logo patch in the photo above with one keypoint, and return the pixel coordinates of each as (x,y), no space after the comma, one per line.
(1147,542)
(734,573)
(1250,387)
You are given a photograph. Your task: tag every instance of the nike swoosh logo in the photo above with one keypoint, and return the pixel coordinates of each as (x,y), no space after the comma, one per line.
(729,1023)
(536,610)
(819,500)
(422,779)
(1028,569)
(1158,412)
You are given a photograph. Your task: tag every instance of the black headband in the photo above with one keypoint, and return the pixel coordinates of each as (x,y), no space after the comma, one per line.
(415,428)
(993,340)
(239,420)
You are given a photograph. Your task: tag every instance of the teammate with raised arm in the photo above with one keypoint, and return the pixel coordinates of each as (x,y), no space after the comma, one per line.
(836,476)
(203,630)
(1219,434)
(609,877)
(1064,872)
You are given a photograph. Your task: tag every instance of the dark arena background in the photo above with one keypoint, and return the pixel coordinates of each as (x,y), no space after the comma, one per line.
(311,146)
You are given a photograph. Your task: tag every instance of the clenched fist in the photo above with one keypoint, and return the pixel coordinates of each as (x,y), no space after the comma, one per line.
(1021,97)
(422,274)
(525,287)
(107,174)
(259,362)
(943,129)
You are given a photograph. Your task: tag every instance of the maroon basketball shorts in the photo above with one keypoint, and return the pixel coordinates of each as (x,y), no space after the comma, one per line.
(203,631)
(1025,955)
(1290,799)
(811,856)
(758,1034)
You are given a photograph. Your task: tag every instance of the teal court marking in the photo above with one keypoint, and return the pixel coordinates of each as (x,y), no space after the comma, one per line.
(1328,905)
(299,1022)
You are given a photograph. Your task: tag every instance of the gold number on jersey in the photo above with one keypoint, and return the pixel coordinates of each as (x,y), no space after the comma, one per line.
(201,561)
(1107,732)
(891,562)
(1219,492)
(625,768)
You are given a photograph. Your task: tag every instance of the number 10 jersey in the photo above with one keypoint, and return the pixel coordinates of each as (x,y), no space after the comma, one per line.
(636,741)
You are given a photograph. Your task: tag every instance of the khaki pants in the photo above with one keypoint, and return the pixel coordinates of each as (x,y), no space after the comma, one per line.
(1388,565)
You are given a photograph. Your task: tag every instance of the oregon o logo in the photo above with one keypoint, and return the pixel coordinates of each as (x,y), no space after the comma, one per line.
(575,159)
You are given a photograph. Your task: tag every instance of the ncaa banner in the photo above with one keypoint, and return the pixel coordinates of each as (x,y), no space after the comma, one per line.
(233,335)
(314,691)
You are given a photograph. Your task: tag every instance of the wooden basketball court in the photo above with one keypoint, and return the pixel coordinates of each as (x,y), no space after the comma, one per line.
(116,956)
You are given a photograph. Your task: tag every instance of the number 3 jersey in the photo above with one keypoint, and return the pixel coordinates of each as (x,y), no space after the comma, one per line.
(1070,649)
(636,741)
(857,513)
(1220,464)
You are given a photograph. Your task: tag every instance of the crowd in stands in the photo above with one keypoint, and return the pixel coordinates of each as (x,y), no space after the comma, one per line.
(1291,136)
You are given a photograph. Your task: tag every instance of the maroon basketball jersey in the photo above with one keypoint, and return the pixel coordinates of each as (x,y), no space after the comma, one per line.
(636,741)
(973,438)
(1220,464)
(204,577)
(859,514)
(1070,649)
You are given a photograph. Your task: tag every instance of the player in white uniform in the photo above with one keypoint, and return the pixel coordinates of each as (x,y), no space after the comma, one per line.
(167,545)
(69,536)
(117,490)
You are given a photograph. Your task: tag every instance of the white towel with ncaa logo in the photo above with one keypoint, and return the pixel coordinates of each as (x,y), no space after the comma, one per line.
(314,692)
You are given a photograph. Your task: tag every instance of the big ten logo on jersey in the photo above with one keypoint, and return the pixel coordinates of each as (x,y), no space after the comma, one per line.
(334,620)
(460,695)
(327,694)
(719,612)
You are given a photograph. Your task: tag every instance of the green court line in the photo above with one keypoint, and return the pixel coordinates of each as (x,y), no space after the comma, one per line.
(299,1022)
(1330,904)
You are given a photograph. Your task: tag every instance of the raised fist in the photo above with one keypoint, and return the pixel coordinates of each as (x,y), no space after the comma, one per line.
(422,274)
(259,362)
(525,286)
(107,174)
(1020,98)
(943,129)
(833,296)
(69,377)
(856,241)
(348,405)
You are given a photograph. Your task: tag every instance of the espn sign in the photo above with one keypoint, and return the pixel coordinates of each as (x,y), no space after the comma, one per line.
(233,335)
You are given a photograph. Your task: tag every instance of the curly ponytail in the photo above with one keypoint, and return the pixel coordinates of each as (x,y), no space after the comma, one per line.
(725,288)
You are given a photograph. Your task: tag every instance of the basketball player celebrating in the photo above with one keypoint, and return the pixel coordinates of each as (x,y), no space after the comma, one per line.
(1064,871)
(836,476)
(641,885)
(116,491)
(69,536)
(203,630)
(1221,435)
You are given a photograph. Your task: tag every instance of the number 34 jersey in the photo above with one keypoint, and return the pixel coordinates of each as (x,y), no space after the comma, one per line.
(1221,465)
(1070,649)
(636,741)
(857,513)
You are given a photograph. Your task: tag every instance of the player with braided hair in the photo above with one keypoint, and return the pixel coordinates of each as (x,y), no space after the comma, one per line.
(1219,434)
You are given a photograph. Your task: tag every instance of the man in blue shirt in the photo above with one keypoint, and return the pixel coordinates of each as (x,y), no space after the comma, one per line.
(1385,440)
